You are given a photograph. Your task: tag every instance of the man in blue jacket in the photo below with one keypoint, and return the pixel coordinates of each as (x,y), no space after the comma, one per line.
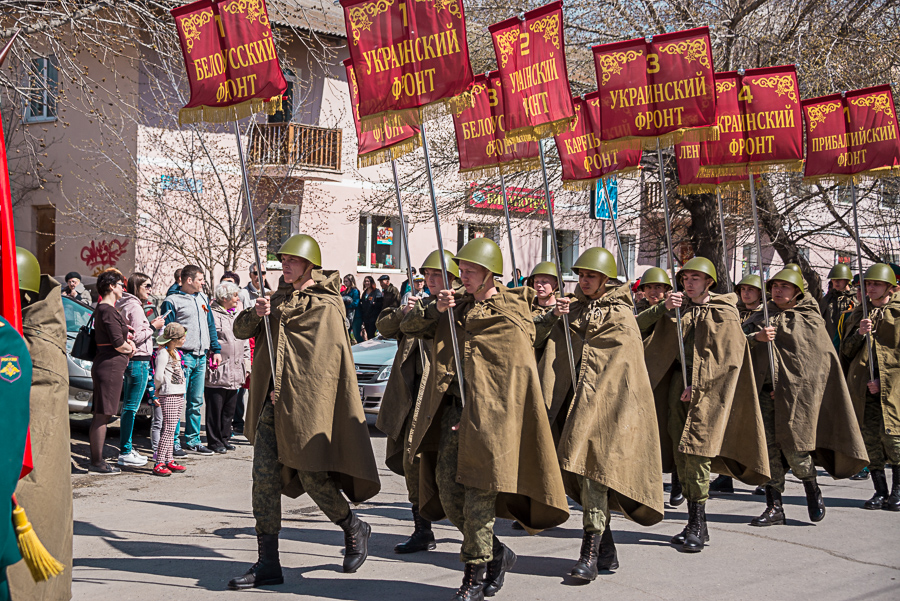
(190,307)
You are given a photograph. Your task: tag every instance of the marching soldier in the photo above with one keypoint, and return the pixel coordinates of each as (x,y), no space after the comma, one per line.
(715,420)
(545,281)
(493,457)
(605,423)
(304,417)
(400,400)
(809,389)
(877,401)
(841,297)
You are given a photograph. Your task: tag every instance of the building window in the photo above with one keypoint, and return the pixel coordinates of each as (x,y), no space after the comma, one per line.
(891,258)
(466,232)
(380,243)
(804,252)
(749,264)
(283,222)
(43,89)
(842,196)
(629,248)
(567,241)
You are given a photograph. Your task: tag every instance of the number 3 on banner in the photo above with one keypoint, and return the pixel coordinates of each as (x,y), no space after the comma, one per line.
(492,97)
(652,63)
(402,7)
(745,95)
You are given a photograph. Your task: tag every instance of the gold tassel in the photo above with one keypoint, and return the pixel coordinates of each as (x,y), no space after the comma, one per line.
(390,153)
(226,114)
(40,563)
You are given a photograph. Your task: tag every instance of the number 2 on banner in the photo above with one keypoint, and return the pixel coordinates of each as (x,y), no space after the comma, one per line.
(402,7)
(745,95)
(526,40)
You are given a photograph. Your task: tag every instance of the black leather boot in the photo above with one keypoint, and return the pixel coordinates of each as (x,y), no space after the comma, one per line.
(676,497)
(503,561)
(759,490)
(879,480)
(422,538)
(586,568)
(697,534)
(266,570)
(608,559)
(774,513)
(356,542)
(892,503)
(723,484)
(472,588)
(815,504)
(862,475)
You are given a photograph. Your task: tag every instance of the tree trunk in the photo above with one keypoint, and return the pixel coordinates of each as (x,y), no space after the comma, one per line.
(706,236)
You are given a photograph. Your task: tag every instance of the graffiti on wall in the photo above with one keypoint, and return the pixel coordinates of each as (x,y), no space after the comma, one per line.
(103,254)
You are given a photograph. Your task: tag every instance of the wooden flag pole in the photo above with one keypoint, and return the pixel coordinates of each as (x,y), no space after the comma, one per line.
(862,279)
(729,285)
(512,252)
(665,201)
(762,276)
(559,271)
(440,241)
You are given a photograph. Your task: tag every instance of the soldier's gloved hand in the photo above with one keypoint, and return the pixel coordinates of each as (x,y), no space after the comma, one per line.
(674,300)
(874,386)
(562,307)
(262,306)
(686,395)
(445,300)
(766,334)
(865,327)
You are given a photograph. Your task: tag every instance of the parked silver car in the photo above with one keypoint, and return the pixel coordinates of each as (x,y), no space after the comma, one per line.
(373,360)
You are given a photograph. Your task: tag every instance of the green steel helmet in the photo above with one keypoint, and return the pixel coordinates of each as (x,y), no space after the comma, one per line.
(303,246)
(597,259)
(841,271)
(752,280)
(484,252)
(786,275)
(433,261)
(793,267)
(29,270)
(703,265)
(545,268)
(879,272)
(655,275)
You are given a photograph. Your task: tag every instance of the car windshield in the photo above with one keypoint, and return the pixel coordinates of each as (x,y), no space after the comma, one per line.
(77,315)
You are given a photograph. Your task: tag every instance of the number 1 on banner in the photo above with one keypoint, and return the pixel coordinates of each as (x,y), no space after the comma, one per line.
(402,7)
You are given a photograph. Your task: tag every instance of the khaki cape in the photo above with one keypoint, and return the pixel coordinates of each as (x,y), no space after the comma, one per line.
(610,432)
(813,410)
(724,421)
(319,421)
(885,345)
(46,493)
(505,442)
(400,392)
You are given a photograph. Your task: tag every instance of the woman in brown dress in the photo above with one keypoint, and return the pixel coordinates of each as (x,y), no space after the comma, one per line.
(114,349)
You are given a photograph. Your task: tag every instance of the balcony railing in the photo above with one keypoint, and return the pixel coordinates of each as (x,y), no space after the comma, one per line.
(295,145)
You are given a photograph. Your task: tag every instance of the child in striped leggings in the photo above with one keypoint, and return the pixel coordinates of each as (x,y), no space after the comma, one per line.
(170,390)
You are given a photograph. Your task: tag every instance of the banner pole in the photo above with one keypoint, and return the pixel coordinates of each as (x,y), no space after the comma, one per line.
(729,286)
(618,239)
(512,252)
(665,202)
(259,266)
(440,241)
(405,233)
(762,276)
(862,279)
(559,271)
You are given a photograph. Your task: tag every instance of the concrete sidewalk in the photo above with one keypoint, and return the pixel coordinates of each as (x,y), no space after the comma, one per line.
(139,537)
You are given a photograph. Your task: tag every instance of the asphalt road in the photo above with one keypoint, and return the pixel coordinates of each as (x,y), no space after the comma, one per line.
(139,537)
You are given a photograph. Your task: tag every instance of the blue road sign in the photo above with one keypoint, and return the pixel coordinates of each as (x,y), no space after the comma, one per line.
(601,208)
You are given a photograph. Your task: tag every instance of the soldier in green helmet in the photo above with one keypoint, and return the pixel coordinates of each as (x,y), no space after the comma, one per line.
(607,444)
(877,401)
(655,285)
(304,417)
(494,456)
(545,281)
(714,423)
(841,296)
(809,387)
(400,398)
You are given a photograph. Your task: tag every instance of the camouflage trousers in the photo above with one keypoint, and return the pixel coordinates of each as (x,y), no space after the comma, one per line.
(410,465)
(595,503)
(471,510)
(800,462)
(693,470)
(881,447)
(320,487)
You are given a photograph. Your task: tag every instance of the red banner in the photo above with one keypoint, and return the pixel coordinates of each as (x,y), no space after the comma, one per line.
(760,127)
(581,153)
(521,200)
(852,135)
(657,91)
(688,157)
(481,134)
(231,62)
(382,145)
(411,57)
(531,56)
